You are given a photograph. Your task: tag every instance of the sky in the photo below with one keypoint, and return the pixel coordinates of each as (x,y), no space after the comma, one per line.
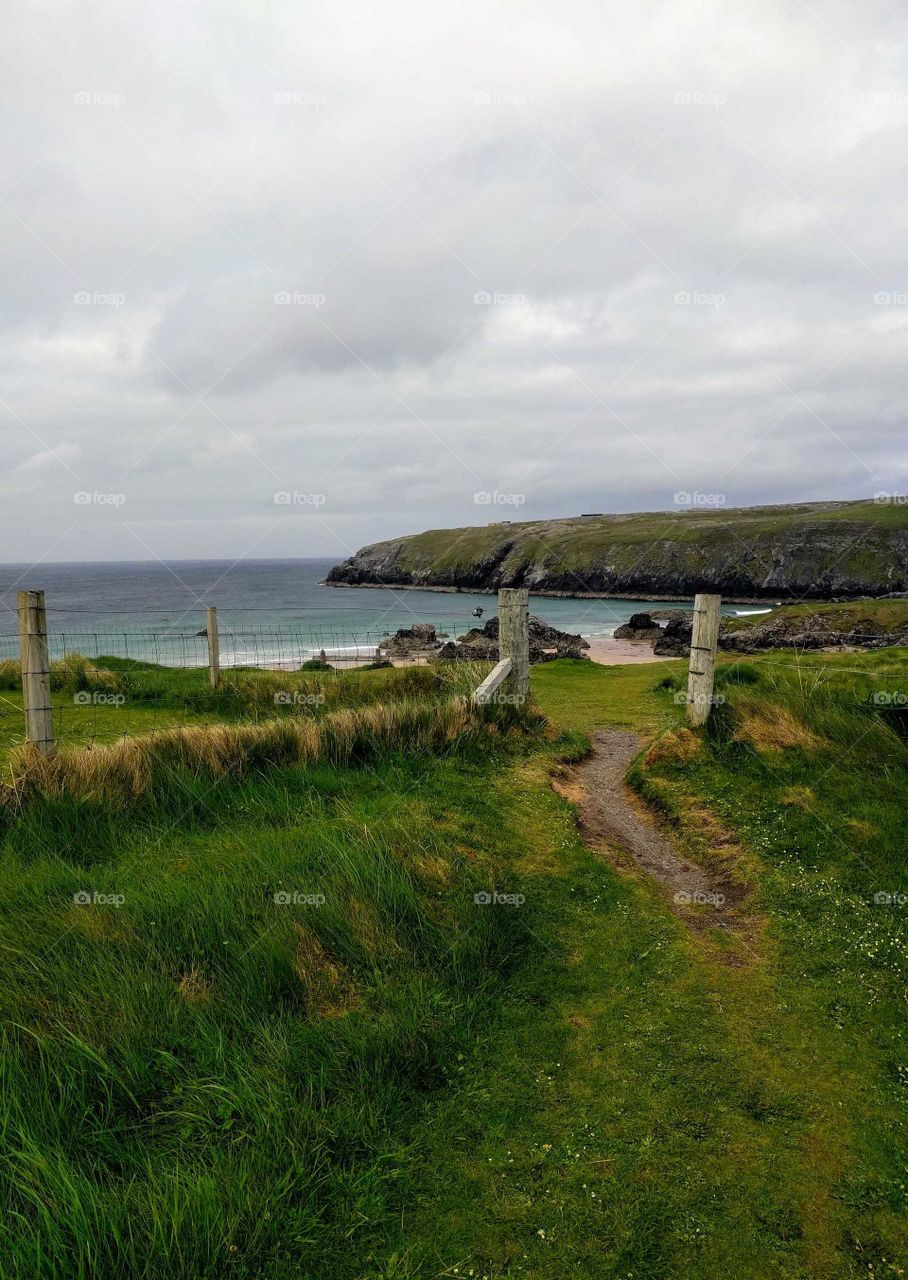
(285,279)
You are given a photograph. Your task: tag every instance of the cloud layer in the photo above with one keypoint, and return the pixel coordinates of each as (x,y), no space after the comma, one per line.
(285,280)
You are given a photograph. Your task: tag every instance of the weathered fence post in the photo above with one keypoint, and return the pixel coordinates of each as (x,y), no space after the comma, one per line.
(514,639)
(702,671)
(35,665)
(214,649)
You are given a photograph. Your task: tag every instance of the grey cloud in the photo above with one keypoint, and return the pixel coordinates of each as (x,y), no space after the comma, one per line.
(582,168)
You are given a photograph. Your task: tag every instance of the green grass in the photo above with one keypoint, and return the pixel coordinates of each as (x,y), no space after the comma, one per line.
(198,1076)
(100,701)
(400,1083)
(874,615)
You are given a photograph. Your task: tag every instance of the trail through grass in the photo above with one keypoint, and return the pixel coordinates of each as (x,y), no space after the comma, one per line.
(301,1046)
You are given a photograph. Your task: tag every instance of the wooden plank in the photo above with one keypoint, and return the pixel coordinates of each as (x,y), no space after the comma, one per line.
(493,681)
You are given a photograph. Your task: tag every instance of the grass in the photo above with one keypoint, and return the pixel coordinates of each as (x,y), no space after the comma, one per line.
(281,1037)
(876,616)
(102,700)
(200,1076)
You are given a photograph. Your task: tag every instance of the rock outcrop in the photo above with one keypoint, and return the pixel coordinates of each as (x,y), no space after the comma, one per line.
(844,625)
(409,642)
(639,626)
(546,643)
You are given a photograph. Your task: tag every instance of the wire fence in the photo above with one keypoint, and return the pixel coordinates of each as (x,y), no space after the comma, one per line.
(268,648)
(108,683)
(136,679)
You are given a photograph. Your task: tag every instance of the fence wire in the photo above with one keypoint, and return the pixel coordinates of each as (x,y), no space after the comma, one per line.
(139,679)
(156,677)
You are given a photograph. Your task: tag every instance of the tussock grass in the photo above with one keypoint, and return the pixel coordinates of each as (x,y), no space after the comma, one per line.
(209,1079)
(10,674)
(73,673)
(126,770)
(770,726)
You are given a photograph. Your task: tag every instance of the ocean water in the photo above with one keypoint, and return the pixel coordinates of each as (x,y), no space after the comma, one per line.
(268,610)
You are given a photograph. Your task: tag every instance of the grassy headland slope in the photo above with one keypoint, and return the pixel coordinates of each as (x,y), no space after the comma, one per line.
(809,550)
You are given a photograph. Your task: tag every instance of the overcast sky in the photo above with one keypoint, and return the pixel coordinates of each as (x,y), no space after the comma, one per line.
(283,279)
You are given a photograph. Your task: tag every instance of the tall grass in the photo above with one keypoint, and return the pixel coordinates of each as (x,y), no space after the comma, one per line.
(132,768)
(73,673)
(202,1070)
(203,1082)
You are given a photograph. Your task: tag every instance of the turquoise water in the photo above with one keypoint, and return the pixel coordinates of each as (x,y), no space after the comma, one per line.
(268,610)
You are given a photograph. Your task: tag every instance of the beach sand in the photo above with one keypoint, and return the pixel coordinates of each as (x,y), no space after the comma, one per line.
(604,650)
(609,652)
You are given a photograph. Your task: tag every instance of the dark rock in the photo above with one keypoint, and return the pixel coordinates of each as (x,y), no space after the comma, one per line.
(419,638)
(546,643)
(674,640)
(640,626)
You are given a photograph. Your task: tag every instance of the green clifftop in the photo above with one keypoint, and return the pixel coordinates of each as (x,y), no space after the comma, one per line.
(809,550)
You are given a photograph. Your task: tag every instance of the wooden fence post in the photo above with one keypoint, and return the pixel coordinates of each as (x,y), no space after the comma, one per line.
(35,665)
(514,639)
(702,670)
(214,649)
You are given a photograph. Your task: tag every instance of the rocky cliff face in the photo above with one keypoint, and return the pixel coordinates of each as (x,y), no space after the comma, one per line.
(851,625)
(812,551)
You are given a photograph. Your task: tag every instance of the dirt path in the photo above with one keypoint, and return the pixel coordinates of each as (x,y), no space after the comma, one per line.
(611,815)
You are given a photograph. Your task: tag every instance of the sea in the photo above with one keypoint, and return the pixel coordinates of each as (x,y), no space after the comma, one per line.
(270,612)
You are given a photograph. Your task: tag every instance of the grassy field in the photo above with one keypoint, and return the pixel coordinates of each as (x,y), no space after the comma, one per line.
(101,700)
(282,1037)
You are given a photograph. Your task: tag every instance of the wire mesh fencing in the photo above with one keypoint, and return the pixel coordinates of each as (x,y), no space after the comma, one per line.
(108,683)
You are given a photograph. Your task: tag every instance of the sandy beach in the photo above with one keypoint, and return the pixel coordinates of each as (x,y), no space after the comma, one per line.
(609,652)
(604,650)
